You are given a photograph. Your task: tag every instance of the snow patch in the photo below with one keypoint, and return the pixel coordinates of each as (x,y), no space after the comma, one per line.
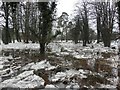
(74,86)
(1,66)
(58,76)
(31,81)
(26,79)
(107,86)
(42,65)
(68,74)
(50,86)
(20,45)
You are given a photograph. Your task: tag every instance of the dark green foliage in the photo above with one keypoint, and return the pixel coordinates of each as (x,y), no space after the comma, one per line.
(47,10)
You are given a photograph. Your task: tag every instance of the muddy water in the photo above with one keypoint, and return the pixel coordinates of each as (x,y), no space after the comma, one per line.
(100,70)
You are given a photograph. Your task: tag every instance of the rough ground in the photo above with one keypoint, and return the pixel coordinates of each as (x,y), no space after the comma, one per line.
(66,66)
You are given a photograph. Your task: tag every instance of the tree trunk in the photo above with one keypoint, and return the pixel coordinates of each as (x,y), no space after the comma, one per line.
(18,37)
(42,49)
(98,28)
(106,37)
(119,15)
(84,42)
(66,35)
(7,33)
(27,13)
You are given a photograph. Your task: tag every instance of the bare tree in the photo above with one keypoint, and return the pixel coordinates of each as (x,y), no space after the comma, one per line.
(15,20)
(83,13)
(107,21)
(75,31)
(6,32)
(98,19)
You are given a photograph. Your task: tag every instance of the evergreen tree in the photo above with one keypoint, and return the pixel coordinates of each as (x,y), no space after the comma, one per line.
(45,22)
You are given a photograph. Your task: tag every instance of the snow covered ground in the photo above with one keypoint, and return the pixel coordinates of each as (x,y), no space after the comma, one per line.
(73,66)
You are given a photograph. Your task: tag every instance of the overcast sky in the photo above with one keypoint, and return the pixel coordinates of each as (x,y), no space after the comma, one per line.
(66,6)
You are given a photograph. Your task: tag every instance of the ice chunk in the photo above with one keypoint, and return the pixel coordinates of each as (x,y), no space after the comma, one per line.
(59,76)
(50,86)
(31,81)
(24,80)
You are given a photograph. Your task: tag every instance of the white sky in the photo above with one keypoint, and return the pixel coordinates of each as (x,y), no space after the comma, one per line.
(66,6)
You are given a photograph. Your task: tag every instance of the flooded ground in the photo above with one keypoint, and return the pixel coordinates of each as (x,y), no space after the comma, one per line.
(70,67)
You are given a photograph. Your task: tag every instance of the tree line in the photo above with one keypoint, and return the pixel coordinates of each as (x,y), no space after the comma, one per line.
(28,22)
(106,16)
(34,21)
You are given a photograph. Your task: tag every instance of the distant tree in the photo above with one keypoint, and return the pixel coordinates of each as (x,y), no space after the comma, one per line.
(75,32)
(98,19)
(29,21)
(105,17)
(33,21)
(92,35)
(70,26)
(83,14)
(63,23)
(107,22)
(27,27)
(6,32)
(14,10)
